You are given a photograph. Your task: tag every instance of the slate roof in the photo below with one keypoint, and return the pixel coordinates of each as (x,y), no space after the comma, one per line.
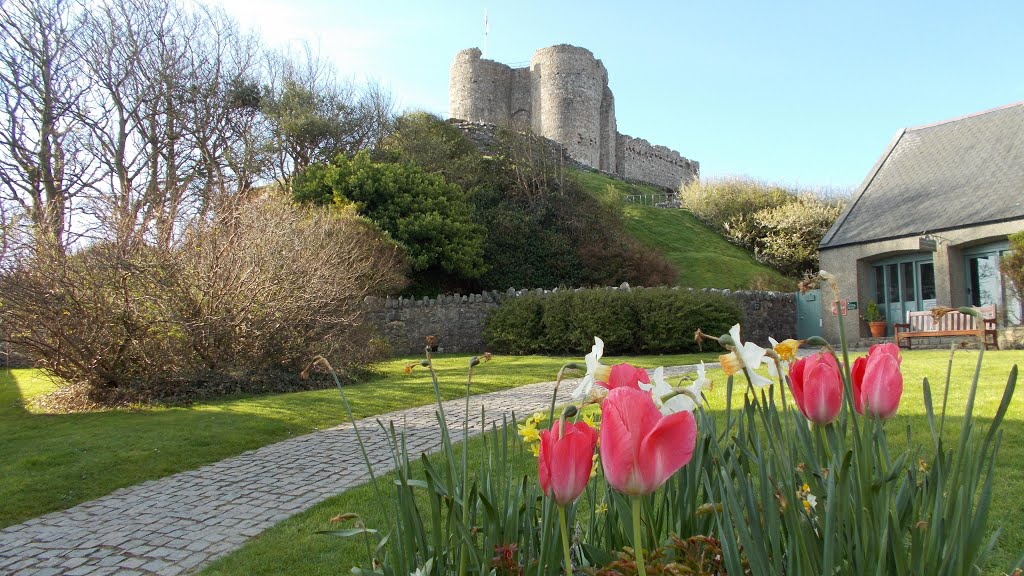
(953,174)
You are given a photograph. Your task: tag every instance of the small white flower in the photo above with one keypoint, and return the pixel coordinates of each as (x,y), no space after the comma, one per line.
(746,355)
(425,569)
(810,502)
(702,377)
(595,371)
(677,402)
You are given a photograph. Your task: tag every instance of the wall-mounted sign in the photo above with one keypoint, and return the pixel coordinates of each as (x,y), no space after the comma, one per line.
(927,243)
(851,305)
(842,307)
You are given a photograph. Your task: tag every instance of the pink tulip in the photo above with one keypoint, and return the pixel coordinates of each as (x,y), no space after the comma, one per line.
(877,381)
(817,387)
(640,448)
(626,375)
(565,460)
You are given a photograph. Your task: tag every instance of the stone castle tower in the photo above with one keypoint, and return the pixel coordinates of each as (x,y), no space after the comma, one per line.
(564,96)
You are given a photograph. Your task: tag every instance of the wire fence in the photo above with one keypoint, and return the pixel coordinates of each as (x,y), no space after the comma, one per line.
(657,200)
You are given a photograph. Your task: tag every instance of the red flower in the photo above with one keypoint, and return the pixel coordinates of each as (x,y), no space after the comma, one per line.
(565,460)
(626,375)
(877,381)
(640,448)
(817,387)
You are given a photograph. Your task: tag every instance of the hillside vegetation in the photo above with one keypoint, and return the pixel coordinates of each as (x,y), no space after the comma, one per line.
(703,257)
(781,225)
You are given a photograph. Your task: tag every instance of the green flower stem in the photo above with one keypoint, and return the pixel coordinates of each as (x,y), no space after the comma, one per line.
(558,382)
(565,540)
(638,547)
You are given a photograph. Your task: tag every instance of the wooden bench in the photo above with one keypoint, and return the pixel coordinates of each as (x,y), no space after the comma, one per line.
(925,325)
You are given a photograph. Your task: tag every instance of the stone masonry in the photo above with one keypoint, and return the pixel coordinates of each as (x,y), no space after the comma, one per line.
(564,96)
(458,320)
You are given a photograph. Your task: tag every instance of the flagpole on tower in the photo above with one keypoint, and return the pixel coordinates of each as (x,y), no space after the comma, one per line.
(485,32)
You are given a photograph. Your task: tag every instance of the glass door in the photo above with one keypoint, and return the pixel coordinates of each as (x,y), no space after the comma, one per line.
(926,291)
(986,285)
(907,285)
(983,282)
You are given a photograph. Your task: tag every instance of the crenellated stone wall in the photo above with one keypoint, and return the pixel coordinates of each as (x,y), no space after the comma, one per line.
(458,320)
(563,96)
(656,164)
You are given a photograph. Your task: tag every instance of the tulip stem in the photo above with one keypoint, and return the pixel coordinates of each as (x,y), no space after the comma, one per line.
(638,547)
(565,540)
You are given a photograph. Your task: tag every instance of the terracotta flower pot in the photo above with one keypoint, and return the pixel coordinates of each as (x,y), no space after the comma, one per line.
(877,329)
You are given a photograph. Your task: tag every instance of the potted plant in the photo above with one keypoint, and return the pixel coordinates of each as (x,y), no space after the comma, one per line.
(875,320)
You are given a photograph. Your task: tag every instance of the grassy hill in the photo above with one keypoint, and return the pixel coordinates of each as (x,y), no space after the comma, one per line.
(704,258)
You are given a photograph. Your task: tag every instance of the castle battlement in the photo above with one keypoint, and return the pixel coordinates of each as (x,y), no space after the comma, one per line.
(563,95)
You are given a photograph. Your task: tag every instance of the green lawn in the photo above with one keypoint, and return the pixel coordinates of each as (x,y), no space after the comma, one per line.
(293,547)
(51,462)
(704,258)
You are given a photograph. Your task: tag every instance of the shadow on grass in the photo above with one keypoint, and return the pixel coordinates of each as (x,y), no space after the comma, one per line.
(51,462)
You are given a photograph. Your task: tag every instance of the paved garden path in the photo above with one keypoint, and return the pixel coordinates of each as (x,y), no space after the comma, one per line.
(180,523)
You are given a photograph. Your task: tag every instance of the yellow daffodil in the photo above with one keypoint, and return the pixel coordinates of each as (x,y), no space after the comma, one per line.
(787,353)
(528,431)
(786,349)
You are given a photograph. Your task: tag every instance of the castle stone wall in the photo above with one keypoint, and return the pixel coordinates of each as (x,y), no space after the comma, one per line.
(567,94)
(656,164)
(520,99)
(563,96)
(479,89)
(458,320)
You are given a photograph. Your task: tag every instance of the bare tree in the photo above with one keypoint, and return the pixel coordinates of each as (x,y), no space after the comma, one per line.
(167,119)
(43,166)
(314,116)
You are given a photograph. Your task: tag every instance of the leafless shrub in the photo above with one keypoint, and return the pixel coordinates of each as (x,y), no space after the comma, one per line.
(248,297)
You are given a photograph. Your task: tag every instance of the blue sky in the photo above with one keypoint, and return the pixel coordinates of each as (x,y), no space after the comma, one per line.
(798,93)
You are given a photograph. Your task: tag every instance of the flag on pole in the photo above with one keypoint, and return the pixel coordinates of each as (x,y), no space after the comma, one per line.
(486,29)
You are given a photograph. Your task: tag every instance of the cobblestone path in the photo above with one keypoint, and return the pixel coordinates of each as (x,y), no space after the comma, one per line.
(178,524)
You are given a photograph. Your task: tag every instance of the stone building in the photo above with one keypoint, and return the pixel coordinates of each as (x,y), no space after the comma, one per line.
(563,95)
(930,222)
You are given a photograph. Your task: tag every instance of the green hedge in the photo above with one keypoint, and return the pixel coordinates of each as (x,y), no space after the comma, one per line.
(638,321)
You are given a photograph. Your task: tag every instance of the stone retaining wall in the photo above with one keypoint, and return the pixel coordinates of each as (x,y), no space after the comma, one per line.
(458,320)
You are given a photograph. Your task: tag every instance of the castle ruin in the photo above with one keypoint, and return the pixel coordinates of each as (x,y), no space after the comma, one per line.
(563,96)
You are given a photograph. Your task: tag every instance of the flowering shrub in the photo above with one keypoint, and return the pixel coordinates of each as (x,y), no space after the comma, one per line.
(796,477)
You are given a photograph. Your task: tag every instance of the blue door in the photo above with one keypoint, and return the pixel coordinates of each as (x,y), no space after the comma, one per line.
(808,314)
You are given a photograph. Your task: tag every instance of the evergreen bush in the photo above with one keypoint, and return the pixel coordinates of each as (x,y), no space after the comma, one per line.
(641,320)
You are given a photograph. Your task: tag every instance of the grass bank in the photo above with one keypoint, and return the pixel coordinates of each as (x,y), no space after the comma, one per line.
(703,257)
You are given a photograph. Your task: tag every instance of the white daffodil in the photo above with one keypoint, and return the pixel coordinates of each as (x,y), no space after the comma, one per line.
(773,370)
(702,378)
(668,399)
(595,372)
(425,569)
(746,355)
